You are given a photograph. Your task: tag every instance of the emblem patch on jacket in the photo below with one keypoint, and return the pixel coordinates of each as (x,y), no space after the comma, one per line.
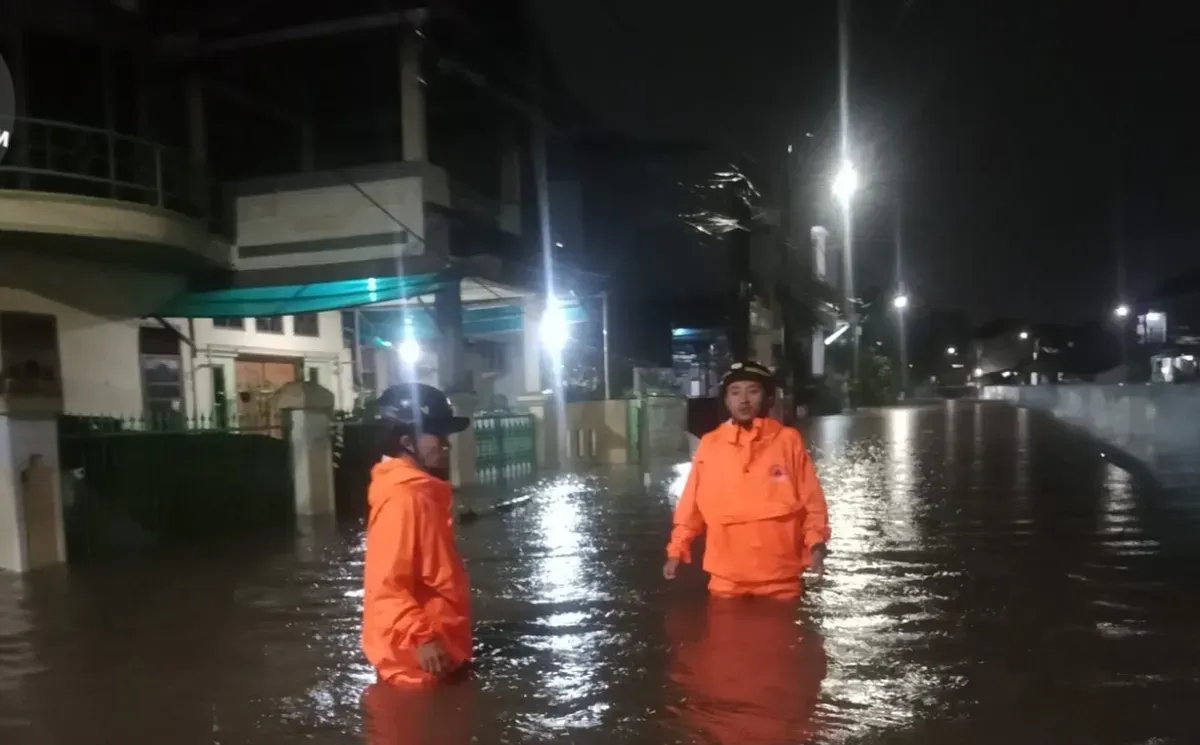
(778,474)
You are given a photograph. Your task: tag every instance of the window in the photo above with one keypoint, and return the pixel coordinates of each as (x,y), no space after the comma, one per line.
(269,324)
(238,324)
(306,324)
(162,377)
(29,349)
(314,375)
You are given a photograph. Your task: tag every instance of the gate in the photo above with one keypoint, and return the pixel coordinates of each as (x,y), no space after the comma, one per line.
(357,446)
(505,447)
(135,484)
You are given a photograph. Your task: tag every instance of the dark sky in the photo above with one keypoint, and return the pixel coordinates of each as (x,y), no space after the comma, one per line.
(1029,144)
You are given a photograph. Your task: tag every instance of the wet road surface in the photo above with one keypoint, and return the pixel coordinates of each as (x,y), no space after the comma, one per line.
(994,580)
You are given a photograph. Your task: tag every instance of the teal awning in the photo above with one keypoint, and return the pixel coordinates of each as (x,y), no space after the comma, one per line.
(247,302)
(388,325)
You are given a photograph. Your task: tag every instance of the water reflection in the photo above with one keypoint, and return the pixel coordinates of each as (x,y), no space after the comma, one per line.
(993,580)
(440,716)
(743,670)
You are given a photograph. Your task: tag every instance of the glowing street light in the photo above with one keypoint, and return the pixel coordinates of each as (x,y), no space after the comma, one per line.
(900,302)
(845,183)
(951,351)
(410,351)
(554,331)
(978,372)
(1121,311)
(1024,335)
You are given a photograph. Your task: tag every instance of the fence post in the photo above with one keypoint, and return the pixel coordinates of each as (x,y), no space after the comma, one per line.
(308,417)
(32,534)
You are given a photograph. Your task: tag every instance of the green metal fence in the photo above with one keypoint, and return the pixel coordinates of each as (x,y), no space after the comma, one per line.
(505,447)
(137,483)
(357,446)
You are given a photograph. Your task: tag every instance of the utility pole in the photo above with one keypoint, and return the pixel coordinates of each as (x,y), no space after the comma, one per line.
(739,276)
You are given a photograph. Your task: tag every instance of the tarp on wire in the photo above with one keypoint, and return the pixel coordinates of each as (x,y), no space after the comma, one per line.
(250,302)
(389,325)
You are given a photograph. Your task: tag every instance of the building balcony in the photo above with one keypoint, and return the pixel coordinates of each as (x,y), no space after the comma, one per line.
(96,195)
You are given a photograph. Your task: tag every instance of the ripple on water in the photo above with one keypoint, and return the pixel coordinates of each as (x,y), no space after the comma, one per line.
(993,581)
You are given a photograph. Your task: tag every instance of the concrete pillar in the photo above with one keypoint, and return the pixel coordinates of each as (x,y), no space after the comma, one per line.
(32,535)
(510,191)
(451,348)
(308,413)
(531,345)
(384,364)
(547,443)
(197,141)
(196,122)
(412,98)
(818,236)
(462,445)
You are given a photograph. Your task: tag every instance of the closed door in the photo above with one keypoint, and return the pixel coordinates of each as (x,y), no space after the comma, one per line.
(257,381)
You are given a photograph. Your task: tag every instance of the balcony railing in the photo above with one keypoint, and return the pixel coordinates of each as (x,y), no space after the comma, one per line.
(73,159)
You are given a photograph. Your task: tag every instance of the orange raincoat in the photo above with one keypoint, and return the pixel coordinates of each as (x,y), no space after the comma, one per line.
(756,493)
(415,586)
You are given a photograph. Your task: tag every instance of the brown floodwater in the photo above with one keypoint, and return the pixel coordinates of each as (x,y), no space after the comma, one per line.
(995,579)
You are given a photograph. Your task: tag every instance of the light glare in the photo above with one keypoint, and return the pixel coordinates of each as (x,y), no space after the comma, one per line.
(410,351)
(845,183)
(554,330)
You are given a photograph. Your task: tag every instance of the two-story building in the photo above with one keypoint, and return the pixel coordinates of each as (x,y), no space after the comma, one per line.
(118,243)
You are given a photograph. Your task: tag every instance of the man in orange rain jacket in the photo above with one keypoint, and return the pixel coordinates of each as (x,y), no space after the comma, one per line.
(754,490)
(416,607)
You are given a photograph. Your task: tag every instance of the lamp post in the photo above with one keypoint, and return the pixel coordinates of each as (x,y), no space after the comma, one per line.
(900,303)
(1122,312)
(1035,375)
(845,184)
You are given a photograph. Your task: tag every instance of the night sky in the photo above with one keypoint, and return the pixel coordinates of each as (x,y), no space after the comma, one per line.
(1028,146)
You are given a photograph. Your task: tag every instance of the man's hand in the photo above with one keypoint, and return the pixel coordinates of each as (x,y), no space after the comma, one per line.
(434,659)
(670,568)
(817,565)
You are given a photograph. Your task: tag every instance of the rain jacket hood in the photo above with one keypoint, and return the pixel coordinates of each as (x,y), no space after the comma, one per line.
(415,587)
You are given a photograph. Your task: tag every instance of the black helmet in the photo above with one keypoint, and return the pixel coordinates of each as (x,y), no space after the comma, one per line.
(420,408)
(749,371)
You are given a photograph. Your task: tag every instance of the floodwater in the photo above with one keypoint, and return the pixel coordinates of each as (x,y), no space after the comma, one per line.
(994,580)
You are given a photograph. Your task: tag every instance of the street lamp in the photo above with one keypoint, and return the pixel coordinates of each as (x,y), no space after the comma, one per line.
(845,183)
(900,302)
(554,331)
(410,351)
(951,351)
(1122,312)
(1024,335)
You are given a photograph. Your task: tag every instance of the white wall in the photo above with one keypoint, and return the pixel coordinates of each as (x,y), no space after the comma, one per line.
(102,374)
(331,212)
(217,346)
(99,356)
(508,381)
